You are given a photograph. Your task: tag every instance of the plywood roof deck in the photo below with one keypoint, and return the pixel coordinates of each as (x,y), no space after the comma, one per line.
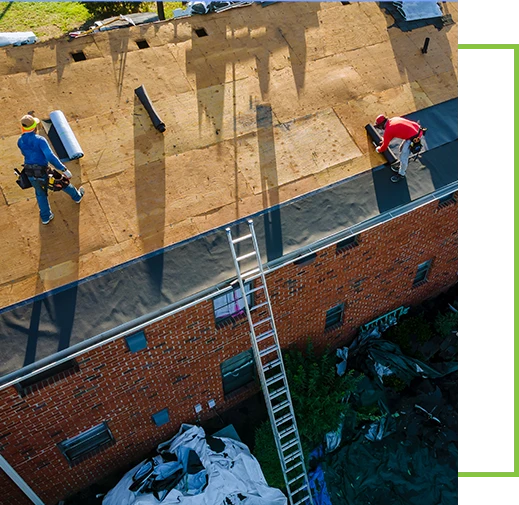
(269,105)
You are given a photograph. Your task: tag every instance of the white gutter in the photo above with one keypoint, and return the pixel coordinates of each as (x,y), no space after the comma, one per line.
(11,472)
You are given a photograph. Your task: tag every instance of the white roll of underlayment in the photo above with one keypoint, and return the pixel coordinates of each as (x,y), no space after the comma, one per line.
(66,135)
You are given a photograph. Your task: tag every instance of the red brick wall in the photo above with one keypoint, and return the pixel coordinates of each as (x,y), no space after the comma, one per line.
(181,365)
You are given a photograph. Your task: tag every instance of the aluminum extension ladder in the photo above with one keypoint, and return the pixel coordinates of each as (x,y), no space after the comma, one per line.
(271,371)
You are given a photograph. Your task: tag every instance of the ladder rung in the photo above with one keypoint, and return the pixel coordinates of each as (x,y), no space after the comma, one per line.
(263,321)
(280,406)
(258,306)
(241,239)
(277,393)
(271,365)
(273,379)
(293,456)
(304,486)
(295,479)
(268,350)
(245,256)
(293,467)
(288,445)
(302,500)
(265,335)
(249,272)
(283,419)
(254,290)
(286,432)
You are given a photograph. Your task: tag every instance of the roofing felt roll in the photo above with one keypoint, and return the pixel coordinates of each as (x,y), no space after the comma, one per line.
(388,154)
(145,100)
(66,135)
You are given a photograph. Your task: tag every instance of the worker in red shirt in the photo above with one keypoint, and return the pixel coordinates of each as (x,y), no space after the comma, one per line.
(401,128)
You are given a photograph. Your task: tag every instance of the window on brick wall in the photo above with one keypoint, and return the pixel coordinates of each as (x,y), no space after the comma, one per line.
(86,444)
(46,377)
(347,243)
(421,273)
(238,371)
(230,306)
(136,342)
(334,316)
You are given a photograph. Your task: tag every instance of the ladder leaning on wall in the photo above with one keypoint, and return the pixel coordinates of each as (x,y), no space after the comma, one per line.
(271,370)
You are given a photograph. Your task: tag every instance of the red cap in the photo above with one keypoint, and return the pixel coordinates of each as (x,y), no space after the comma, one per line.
(380,119)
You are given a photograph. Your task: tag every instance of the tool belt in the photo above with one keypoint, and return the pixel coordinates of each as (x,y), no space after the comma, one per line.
(49,178)
(416,142)
(37,171)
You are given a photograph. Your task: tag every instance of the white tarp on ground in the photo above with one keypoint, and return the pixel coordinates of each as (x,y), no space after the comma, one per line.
(233,476)
(17,38)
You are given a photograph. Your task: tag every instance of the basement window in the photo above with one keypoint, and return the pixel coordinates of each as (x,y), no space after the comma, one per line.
(237,372)
(306,260)
(421,273)
(48,376)
(201,32)
(161,417)
(230,306)
(347,244)
(79,56)
(334,317)
(86,444)
(142,44)
(136,342)
(447,200)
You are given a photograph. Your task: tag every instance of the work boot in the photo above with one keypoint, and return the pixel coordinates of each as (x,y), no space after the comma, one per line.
(81,191)
(397,178)
(395,167)
(51,217)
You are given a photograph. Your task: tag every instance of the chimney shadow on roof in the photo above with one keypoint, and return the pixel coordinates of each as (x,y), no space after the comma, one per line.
(269,182)
(119,49)
(150,193)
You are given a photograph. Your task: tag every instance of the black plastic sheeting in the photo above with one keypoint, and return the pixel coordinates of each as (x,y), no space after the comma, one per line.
(52,322)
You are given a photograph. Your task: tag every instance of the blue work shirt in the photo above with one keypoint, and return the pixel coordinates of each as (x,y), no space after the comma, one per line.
(37,151)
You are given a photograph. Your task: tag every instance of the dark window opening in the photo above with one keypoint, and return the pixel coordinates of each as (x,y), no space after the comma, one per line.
(46,377)
(79,56)
(142,44)
(230,306)
(334,317)
(86,444)
(347,243)
(421,273)
(136,342)
(201,32)
(238,371)
(306,260)
(444,201)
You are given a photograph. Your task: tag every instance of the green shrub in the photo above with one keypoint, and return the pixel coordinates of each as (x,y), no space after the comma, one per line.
(414,329)
(446,323)
(394,382)
(107,9)
(317,395)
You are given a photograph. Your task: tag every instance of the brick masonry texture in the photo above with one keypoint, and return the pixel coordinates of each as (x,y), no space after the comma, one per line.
(181,365)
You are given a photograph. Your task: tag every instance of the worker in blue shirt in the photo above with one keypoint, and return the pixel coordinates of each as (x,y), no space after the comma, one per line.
(38,155)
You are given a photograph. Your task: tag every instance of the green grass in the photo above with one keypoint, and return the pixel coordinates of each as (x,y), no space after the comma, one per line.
(54,19)
(45,19)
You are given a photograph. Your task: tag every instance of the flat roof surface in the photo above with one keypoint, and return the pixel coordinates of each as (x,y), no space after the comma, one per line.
(270,105)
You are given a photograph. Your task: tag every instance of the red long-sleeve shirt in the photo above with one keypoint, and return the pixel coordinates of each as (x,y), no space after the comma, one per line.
(400,128)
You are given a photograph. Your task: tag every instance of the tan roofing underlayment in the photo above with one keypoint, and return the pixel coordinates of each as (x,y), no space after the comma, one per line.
(269,105)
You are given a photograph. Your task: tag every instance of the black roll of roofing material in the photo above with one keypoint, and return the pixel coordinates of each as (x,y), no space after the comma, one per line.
(388,154)
(145,100)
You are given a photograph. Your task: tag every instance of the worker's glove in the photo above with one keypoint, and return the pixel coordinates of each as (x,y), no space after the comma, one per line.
(67,174)
(377,149)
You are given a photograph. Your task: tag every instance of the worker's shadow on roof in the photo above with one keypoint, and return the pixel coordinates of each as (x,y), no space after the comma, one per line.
(389,194)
